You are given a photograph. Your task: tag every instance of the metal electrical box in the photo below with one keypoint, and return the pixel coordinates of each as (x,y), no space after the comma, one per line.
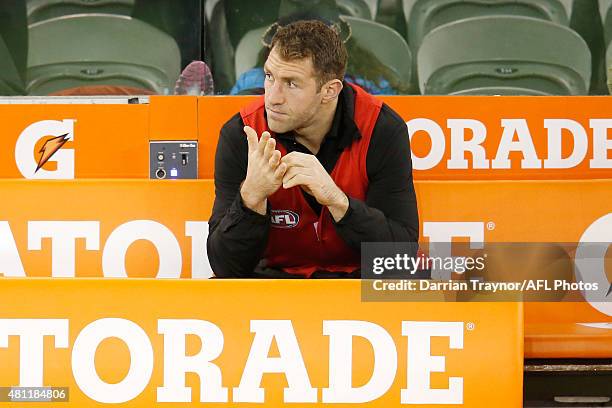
(173,159)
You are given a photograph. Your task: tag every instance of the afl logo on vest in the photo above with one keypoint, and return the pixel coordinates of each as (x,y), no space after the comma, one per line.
(284,219)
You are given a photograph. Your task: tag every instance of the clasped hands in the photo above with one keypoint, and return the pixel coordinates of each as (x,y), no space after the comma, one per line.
(267,172)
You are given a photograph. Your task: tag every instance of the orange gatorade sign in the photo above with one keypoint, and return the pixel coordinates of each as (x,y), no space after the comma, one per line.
(465,138)
(74,141)
(309,343)
(483,138)
(82,140)
(513,137)
(150,228)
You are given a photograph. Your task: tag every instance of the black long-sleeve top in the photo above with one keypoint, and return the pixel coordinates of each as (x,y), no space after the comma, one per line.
(238,236)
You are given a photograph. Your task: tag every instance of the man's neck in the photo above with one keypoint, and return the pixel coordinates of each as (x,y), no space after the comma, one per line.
(312,135)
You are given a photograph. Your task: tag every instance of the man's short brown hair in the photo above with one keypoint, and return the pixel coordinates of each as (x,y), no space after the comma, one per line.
(315,40)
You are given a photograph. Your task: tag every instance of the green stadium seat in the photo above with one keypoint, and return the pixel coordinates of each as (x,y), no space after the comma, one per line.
(11,82)
(357,8)
(609,68)
(370,35)
(83,50)
(504,55)
(422,16)
(39,10)
(395,52)
(605,11)
(248,50)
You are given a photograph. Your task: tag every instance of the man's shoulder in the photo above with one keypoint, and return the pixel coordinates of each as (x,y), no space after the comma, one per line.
(390,117)
(233,126)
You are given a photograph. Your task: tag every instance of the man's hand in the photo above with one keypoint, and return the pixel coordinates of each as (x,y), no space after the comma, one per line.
(306,171)
(264,171)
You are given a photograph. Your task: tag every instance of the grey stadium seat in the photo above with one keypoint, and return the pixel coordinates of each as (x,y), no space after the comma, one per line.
(102,49)
(504,55)
(39,10)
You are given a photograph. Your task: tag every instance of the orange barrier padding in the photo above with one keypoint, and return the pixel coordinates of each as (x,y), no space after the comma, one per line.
(569,340)
(301,343)
(513,211)
(563,313)
(152,228)
(142,216)
(453,138)
(136,228)
(521,137)
(99,140)
(482,138)
(173,118)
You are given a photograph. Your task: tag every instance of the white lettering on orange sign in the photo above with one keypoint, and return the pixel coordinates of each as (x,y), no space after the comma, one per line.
(516,137)
(290,362)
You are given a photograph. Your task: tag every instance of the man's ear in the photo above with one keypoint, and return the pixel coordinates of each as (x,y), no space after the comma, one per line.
(331,90)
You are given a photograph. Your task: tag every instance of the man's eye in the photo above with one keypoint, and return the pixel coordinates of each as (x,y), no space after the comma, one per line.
(268,76)
(292,84)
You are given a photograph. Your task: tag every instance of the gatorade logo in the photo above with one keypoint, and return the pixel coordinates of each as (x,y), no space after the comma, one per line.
(284,219)
(31,161)
(465,138)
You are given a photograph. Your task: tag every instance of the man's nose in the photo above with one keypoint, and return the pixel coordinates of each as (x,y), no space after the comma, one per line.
(275,94)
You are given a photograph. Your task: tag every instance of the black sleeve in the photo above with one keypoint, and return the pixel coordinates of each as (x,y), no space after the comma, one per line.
(237,236)
(389,213)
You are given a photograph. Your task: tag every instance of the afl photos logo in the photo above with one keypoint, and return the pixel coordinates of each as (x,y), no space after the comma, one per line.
(30,160)
(284,219)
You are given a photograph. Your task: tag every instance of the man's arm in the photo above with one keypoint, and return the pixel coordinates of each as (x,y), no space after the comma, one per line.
(237,235)
(389,213)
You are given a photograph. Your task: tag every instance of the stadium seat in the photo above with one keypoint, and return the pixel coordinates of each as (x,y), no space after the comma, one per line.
(609,74)
(222,33)
(110,50)
(369,34)
(504,56)
(39,10)
(357,8)
(605,11)
(10,80)
(219,45)
(422,16)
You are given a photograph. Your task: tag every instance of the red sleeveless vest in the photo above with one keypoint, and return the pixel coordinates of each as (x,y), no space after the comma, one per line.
(300,241)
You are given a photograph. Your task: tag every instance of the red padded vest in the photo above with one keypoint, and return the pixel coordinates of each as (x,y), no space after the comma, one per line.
(300,241)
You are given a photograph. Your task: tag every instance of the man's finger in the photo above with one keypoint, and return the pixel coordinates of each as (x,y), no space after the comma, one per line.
(269,148)
(296,159)
(291,173)
(280,171)
(263,141)
(251,138)
(297,180)
(274,159)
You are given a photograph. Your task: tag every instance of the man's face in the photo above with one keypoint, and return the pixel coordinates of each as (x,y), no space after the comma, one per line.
(292,97)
